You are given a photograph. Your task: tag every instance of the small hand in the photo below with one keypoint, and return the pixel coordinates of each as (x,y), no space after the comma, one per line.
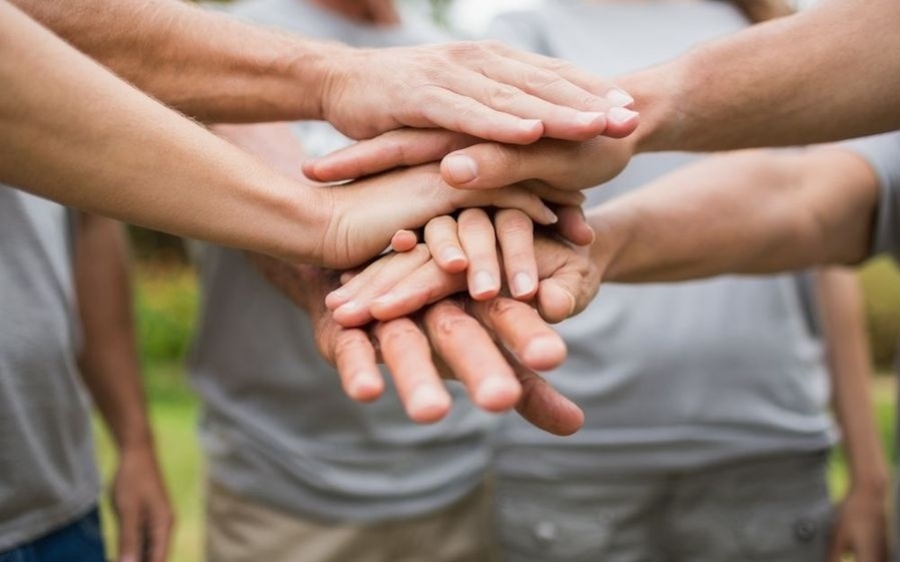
(142,507)
(485,89)
(861,528)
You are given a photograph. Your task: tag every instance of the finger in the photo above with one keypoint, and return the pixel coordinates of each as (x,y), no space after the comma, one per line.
(476,235)
(515,232)
(513,197)
(159,533)
(366,287)
(404,241)
(355,361)
(560,121)
(472,356)
(130,531)
(523,331)
(616,126)
(407,354)
(449,110)
(573,226)
(561,164)
(550,194)
(543,406)
(443,244)
(403,147)
(427,285)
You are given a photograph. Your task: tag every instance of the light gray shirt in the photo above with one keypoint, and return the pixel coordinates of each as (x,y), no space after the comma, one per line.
(671,376)
(47,471)
(277,428)
(882,152)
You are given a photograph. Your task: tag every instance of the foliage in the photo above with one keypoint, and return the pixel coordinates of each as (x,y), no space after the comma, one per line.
(166,304)
(881,284)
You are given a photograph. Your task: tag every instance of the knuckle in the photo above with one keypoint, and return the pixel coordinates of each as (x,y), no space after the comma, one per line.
(448,324)
(500,309)
(398,334)
(502,95)
(513,221)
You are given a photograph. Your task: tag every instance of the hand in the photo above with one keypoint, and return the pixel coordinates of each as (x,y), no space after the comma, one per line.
(400,284)
(485,89)
(142,507)
(451,340)
(546,166)
(365,215)
(861,528)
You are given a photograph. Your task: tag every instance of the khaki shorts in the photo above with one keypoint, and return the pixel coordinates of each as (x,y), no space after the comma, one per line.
(241,530)
(773,510)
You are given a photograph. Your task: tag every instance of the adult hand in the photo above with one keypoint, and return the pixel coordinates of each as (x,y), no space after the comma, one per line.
(451,340)
(400,284)
(485,89)
(142,507)
(470,163)
(357,221)
(861,528)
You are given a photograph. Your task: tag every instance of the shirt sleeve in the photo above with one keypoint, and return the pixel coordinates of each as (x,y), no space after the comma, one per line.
(882,152)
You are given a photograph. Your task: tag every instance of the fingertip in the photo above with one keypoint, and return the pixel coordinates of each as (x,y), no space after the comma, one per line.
(452,260)
(351,314)
(404,241)
(428,404)
(338,297)
(484,286)
(459,168)
(497,394)
(523,286)
(544,353)
(365,386)
(621,122)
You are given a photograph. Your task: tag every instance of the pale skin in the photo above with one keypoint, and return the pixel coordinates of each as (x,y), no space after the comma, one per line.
(825,74)
(193,60)
(110,368)
(173,175)
(454,338)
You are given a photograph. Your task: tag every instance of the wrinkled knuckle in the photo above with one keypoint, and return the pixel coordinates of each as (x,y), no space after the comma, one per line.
(500,308)
(514,221)
(448,324)
(398,335)
(502,95)
(466,49)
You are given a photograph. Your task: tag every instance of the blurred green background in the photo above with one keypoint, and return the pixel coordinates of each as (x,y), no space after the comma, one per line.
(166,308)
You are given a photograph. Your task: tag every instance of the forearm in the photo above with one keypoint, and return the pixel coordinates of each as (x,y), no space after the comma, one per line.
(77,134)
(826,74)
(109,362)
(750,212)
(208,65)
(305,286)
(840,304)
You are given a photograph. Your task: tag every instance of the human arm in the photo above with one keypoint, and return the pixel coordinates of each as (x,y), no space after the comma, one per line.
(85,138)
(218,69)
(111,371)
(861,526)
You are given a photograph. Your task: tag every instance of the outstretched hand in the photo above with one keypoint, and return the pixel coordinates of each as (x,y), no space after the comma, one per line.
(486,89)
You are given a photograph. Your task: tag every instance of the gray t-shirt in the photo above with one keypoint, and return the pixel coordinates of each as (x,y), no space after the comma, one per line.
(882,152)
(277,428)
(47,471)
(671,376)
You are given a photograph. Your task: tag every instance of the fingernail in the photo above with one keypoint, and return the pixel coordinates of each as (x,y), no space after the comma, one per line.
(588,118)
(483,283)
(496,394)
(461,169)
(348,307)
(452,254)
(529,125)
(423,401)
(621,115)
(619,97)
(364,386)
(522,284)
(550,217)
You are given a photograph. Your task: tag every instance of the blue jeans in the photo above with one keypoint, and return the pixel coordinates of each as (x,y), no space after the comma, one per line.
(80,541)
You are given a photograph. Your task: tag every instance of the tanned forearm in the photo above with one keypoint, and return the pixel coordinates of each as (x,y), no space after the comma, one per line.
(84,138)
(109,361)
(841,307)
(208,65)
(750,212)
(828,73)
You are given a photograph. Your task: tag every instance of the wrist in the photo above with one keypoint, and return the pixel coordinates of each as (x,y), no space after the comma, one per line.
(321,70)
(612,232)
